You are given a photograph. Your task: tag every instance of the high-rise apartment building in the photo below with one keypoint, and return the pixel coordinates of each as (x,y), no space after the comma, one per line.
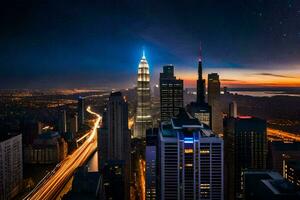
(143,119)
(291,171)
(232,109)
(245,139)
(190,160)
(213,90)
(62,121)
(114,137)
(115,131)
(81,110)
(171,93)
(11,166)
(151,164)
(280,152)
(73,124)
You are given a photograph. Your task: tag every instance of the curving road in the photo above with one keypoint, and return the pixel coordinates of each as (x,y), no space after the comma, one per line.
(51,186)
(274,133)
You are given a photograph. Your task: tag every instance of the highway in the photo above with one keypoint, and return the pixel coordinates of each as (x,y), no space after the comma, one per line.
(274,133)
(52,184)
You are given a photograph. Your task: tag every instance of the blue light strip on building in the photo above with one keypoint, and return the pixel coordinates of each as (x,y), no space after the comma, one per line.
(188,140)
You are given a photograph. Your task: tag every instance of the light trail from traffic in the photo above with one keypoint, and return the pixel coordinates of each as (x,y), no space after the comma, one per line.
(142,179)
(50,187)
(274,133)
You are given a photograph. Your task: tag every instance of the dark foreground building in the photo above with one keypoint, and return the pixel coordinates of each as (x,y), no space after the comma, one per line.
(245,139)
(268,185)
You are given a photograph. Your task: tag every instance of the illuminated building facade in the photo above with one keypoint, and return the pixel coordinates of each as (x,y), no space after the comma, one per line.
(190,160)
(143,119)
(213,96)
(171,93)
(151,164)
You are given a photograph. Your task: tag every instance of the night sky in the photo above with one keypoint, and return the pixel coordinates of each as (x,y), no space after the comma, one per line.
(67,44)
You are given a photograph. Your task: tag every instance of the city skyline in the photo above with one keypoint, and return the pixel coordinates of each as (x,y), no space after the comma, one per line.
(65,45)
(145,100)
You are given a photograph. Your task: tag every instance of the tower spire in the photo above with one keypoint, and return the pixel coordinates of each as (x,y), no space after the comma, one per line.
(200,81)
(144,56)
(200,53)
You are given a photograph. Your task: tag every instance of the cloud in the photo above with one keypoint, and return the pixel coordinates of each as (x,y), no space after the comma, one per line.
(231,80)
(274,75)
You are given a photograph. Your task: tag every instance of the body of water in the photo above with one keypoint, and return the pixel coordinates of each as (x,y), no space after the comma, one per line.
(265,93)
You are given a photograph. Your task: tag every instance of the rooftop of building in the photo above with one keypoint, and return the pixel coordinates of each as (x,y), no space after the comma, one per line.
(114,94)
(7,136)
(272,180)
(48,135)
(185,125)
(272,174)
(184,119)
(281,186)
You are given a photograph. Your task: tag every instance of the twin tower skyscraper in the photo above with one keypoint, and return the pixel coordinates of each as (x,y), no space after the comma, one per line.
(143,119)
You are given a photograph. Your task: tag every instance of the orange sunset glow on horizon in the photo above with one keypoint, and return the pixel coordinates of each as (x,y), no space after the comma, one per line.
(246,78)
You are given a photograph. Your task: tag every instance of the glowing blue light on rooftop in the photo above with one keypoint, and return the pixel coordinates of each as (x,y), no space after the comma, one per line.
(188,140)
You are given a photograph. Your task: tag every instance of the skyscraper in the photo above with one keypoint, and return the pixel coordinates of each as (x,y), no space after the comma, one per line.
(245,139)
(114,137)
(11,166)
(200,82)
(171,93)
(151,164)
(81,110)
(280,152)
(143,118)
(291,170)
(116,124)
(213,88)
(233,109)
(73,124)
(191,160)
(200,109)
(214,102)
(62,121)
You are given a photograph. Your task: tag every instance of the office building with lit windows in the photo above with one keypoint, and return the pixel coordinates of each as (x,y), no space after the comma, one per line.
(190,160)
(171,93)
(213,97)
(291,171)
(151,164)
